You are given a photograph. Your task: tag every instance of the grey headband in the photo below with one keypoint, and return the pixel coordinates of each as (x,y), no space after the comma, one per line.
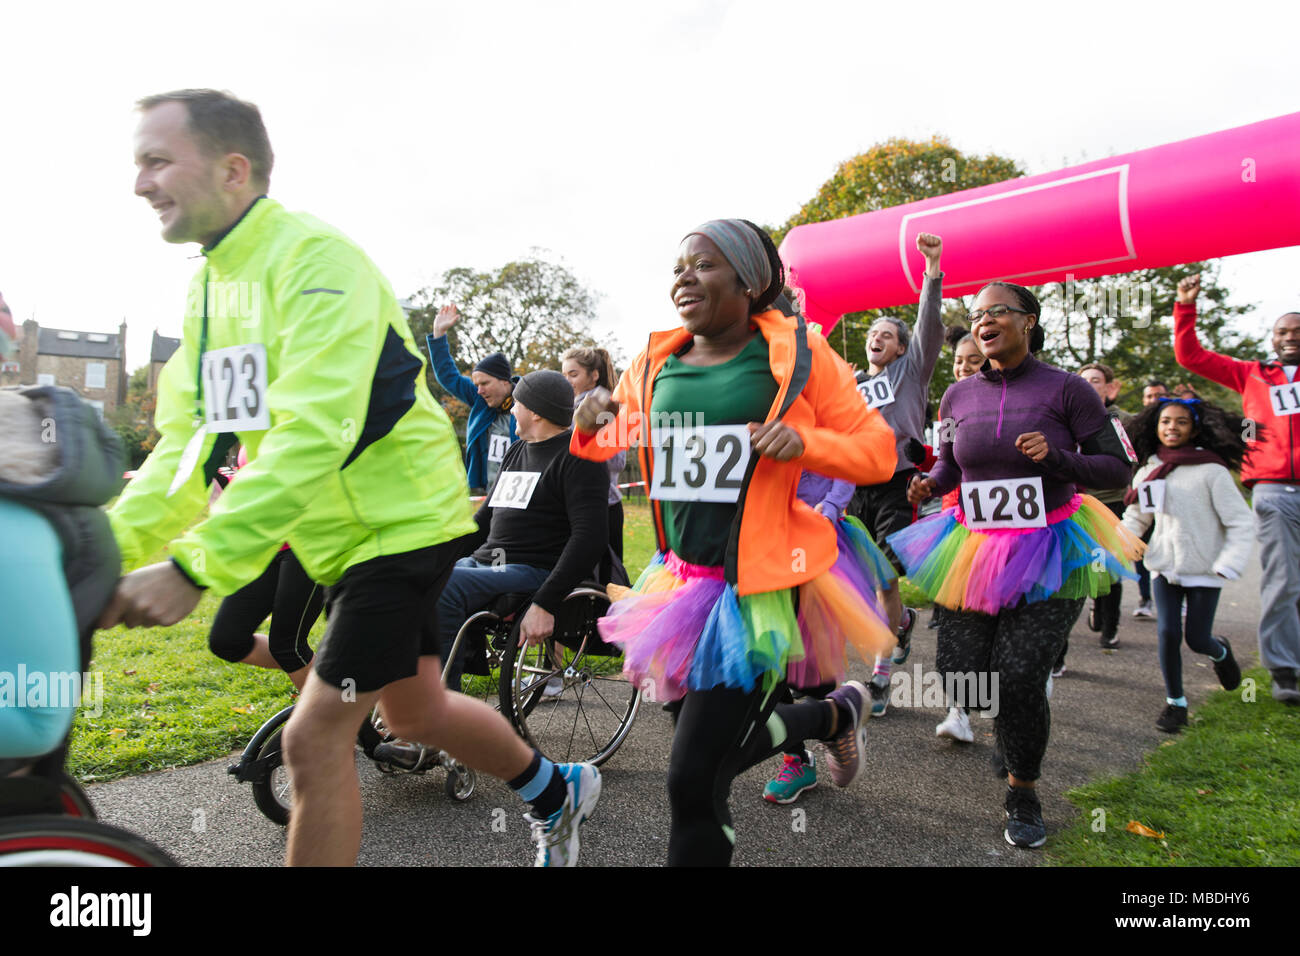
(743,249)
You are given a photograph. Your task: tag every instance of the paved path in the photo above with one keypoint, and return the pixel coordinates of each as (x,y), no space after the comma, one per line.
(920,801)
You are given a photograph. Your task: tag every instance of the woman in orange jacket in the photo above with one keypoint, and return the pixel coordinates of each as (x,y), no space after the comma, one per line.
(751,586)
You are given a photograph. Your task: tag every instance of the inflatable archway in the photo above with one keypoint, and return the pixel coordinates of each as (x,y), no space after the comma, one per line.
(1216,195)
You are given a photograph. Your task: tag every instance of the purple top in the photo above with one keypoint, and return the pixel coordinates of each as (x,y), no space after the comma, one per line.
(990,410)
(815,489)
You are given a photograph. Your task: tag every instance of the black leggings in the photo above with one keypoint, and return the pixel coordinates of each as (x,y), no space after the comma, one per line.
(1018,647)
(293,600)
(720,733)
(1201,605)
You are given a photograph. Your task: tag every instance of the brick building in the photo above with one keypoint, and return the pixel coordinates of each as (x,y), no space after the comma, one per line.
(160,350)
(91,363)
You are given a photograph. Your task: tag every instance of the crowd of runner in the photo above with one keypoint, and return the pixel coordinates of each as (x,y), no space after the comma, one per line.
(789,496)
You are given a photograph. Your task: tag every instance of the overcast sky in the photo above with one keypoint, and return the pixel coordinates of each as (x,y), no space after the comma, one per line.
(464,134)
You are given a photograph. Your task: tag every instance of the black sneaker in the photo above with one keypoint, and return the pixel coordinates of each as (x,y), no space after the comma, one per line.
(1025,827)
(1172,719)
(1110,641)
(879,698)
(904,648)
(1227,670)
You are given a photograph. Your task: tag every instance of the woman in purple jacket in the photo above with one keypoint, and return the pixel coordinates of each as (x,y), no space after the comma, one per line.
(1010,566)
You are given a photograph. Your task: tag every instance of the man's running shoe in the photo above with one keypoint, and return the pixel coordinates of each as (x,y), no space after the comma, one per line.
(1284,686)
(1172,719)
(879,697)
(956,726)
(1109,641)
(844,750)
(792,779)
(1227,670)
(557,836)
(554,686)
(1144,609)
(904,649)
(1025,827)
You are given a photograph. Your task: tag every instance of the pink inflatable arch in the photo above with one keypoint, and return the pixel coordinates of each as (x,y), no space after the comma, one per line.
(1216,195)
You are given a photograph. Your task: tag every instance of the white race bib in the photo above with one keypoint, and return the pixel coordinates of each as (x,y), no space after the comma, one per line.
(514,489)
(701,464)
(1004,503)
(1285,399)
(497,445)
(1151,496)
(877,391)
(234,389)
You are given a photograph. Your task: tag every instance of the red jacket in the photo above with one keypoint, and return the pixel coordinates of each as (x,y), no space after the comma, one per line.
(782,541)
(1275,455)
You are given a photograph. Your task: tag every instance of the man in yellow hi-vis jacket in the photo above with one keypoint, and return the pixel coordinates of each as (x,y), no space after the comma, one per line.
(295,345)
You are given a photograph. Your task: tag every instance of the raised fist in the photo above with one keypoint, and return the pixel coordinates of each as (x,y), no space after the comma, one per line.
(930,246)
(1188,289)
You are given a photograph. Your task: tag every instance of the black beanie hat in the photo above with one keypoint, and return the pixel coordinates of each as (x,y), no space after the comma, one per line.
(496,365)
(548,394)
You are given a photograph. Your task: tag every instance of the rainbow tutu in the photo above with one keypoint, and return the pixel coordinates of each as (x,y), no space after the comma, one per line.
(682,627)
(1082,552)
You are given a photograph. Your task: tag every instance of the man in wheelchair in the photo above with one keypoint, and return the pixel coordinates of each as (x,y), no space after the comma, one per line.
(542,528)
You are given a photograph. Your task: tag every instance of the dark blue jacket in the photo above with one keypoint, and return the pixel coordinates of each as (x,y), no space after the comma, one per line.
(480,416)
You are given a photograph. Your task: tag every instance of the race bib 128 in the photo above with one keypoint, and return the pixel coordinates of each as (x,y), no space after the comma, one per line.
(514,489)
(234,389)
(1004,503)
(700,464)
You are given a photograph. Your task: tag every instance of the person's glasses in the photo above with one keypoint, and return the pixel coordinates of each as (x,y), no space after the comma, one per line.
(993,312)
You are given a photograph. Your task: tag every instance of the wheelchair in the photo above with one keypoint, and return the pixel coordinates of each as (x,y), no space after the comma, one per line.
(567,696)
(46,819)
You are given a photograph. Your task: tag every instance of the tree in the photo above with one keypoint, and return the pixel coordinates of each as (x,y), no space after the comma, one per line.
(133,419)
(532,310)
(1126,321)
(893,173)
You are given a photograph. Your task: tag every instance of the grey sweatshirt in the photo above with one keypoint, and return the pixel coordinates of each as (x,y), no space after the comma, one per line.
(910,373)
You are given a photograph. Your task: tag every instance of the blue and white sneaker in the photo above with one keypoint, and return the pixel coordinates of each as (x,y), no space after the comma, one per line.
(557,836)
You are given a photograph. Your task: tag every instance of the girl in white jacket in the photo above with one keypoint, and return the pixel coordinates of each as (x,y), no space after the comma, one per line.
(1203,536)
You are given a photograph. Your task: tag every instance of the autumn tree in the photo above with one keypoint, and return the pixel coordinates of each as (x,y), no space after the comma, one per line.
(133,419)
(532,310)
(893,173)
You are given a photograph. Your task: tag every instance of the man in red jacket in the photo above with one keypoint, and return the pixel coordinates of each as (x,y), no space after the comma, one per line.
(1270,393)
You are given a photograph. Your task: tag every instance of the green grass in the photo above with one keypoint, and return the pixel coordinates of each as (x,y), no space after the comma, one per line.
(169,702)
(1225,792)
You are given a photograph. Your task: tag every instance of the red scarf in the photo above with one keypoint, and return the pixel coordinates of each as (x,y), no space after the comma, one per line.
(1171,458)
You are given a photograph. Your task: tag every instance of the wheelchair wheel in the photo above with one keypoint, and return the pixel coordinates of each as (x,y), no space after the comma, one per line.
(75,801)
(481,645)
(67,841)
(572,705)
(273,793)
(461,781)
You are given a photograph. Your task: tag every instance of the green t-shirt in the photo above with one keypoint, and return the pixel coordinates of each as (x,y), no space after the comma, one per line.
(738,391)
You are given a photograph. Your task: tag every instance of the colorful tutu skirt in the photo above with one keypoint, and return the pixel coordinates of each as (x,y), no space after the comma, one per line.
(682,627)
(1082,552)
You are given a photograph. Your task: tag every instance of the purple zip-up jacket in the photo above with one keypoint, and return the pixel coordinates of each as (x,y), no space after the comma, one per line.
(815,489)
(989,411)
